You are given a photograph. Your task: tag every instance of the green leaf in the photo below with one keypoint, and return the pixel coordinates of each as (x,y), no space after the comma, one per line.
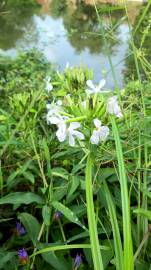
(73,185)
(20,171)
(67,213)
(94,239)
(60,172)
(115,227)
(6,257)
(31,225)
(29,176)
(46,213)
(54,261)
(47,156)
(127,234)
(143,212)
(21,198)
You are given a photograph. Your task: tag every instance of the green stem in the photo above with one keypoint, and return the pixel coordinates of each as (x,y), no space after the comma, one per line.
(128,247)
(76,119)
(94,240)
(62,231)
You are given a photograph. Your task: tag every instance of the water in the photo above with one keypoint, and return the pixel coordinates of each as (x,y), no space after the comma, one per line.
(67,33)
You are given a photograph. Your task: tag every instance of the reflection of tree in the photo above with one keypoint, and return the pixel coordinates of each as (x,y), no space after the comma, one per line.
(14,15)
(58,8)
(82,25)
(142,41)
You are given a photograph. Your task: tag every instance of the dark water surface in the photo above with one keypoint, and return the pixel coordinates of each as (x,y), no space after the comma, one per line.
(67,33)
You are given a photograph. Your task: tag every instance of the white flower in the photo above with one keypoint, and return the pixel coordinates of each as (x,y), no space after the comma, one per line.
(63,132)
(113,107)
(49,86)
(53,111)
(100,133)
(93,89)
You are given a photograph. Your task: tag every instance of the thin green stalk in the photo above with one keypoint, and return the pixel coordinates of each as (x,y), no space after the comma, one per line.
(107,49)
(35,249)
(62,231)
(135,60)
(66,247)
(139,192)
(39,163)
(143,16)
(1,180)
(115,228)
(94,240)
(144,197)
(127,237)
(144,240)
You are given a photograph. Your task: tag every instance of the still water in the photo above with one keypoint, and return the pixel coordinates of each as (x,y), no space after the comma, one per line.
(68,32)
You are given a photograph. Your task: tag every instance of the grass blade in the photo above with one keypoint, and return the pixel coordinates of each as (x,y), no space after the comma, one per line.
(127,237)
(96,254)
(115,228)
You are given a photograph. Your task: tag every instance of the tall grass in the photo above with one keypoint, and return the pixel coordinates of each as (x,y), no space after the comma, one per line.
(127,234)
(97,258)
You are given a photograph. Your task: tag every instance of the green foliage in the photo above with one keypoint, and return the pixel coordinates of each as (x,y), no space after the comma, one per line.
(101,217)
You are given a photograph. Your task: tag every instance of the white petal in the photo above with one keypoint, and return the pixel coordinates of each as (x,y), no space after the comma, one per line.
(78,134)
(101,84)
(59,102)
(119,115)
(49,106)
(97,123)
(48,79)
(49,87)
(95,137)
(113,107)
(71,140)
(103,133)
(54,120)
(90,91)
(90,84)
(73,125)
(61,133)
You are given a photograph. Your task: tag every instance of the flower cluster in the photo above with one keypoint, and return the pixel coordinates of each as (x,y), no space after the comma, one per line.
(69,125)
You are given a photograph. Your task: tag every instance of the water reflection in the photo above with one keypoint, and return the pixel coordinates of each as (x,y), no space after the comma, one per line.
(14,18)
(65,32)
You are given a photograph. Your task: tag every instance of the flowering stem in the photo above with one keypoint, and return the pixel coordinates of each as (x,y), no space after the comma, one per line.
(76,119)
(94,240)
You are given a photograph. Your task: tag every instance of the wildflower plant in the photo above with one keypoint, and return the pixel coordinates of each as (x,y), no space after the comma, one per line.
(86,122)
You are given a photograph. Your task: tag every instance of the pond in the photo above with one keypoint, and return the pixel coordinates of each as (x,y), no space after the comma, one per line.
(68,32)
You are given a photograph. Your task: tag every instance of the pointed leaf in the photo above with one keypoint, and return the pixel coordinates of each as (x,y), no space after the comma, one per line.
(67,213)
(21,198)
(31,225)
